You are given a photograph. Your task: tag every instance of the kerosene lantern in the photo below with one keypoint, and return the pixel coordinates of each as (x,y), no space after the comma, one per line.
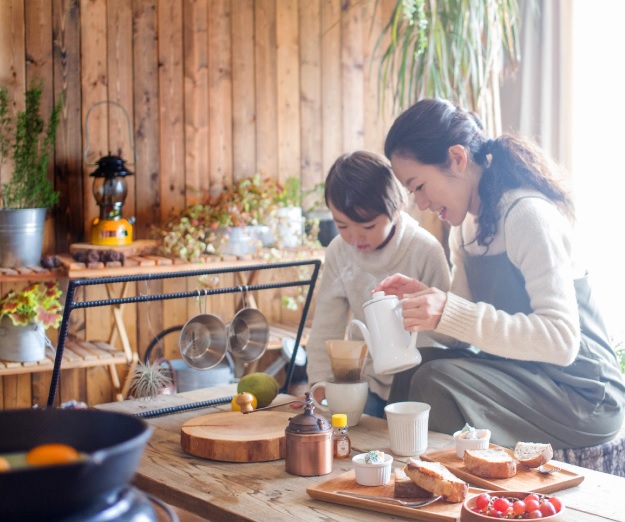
(110,191)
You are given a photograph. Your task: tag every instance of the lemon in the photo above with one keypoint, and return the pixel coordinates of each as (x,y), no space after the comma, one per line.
(237,407)
(261,385)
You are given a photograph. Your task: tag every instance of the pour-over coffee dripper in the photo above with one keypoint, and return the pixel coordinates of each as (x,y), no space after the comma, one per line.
(347,359)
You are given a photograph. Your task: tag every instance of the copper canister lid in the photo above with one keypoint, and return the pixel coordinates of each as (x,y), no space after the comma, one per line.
(308,422)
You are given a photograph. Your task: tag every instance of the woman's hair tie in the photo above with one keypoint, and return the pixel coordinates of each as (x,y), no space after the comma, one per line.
(487,147)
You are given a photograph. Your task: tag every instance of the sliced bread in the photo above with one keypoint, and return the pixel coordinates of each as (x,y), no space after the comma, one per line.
(404,487)
(490,463)
(533,454)
(437,479)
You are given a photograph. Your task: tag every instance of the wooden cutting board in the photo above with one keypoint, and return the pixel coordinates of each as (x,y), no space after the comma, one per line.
(328,491)
(235,437)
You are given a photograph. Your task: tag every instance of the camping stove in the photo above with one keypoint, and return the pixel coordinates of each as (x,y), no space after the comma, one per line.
(126,505)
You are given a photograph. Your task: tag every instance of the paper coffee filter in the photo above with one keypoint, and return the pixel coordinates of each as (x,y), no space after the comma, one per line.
(347,359)
(344,349)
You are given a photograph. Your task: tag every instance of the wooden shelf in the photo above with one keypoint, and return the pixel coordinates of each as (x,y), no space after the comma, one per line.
(77,354)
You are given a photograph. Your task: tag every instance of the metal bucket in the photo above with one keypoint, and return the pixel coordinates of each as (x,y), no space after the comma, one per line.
(21,236)
(22,343)
(188,378)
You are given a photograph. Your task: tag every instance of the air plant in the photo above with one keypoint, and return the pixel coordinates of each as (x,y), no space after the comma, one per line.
(150,379)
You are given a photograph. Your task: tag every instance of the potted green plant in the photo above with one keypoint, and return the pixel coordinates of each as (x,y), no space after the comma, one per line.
(25,315)
(26,145)
(232,222)
(454,50)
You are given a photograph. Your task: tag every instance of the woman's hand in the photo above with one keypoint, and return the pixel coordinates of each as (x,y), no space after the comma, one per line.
(422,310)
(399,285)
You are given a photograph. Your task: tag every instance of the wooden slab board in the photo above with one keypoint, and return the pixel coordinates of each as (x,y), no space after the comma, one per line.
(524,480)
(327,491)
(235,437)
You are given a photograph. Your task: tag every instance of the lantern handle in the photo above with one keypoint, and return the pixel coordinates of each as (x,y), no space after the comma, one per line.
(108,102)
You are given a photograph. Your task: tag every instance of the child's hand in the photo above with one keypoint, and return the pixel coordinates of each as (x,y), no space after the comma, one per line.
(399,285)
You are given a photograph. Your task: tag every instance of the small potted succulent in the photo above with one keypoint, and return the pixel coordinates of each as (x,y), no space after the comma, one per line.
(24,317)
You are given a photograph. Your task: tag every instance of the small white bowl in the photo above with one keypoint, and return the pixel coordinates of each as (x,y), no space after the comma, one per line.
(376,474)
(481,442)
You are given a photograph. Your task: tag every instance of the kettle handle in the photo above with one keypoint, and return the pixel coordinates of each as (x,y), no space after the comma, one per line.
(363,330)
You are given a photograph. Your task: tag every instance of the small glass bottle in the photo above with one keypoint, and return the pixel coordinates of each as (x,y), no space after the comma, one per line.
(340,438)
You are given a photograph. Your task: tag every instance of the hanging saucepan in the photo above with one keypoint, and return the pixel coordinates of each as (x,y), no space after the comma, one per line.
(112,444)
(248,333)
(203,341)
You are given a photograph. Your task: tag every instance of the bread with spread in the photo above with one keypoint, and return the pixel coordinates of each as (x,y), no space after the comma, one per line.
(490,463)
(437,479)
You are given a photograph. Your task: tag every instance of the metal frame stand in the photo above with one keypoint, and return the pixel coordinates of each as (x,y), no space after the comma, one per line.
(71,304)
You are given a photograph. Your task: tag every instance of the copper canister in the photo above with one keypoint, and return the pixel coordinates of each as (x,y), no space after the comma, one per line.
(308,443)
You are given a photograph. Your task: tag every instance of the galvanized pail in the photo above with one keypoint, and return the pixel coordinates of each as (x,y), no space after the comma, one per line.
(21,236)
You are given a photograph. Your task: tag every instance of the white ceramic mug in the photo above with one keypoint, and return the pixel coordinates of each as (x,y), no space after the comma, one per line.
(343,397)
(392,348)
(408,427)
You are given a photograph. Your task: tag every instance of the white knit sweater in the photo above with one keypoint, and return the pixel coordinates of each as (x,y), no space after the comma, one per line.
(538,240)
(347,280)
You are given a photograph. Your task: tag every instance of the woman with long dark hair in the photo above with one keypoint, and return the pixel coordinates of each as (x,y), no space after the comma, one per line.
(534,361)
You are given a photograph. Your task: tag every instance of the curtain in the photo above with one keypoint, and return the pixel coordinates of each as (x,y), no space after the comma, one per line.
(536,99)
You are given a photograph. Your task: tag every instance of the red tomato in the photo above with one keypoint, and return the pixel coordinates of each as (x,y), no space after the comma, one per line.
(532,505)
(532,496)
(547,509)
(555,502)
(535,514)
(501,504)
(519,507)
(482,501)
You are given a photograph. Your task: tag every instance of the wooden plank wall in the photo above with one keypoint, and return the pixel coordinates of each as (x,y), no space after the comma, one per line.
(214,90)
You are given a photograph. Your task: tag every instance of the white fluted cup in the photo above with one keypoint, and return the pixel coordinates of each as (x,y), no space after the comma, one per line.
(408,427)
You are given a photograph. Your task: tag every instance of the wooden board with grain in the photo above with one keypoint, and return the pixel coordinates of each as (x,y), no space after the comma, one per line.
(235,437)
(328,491)
(524,480)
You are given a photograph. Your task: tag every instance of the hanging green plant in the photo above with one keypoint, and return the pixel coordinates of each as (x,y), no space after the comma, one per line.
(452,49)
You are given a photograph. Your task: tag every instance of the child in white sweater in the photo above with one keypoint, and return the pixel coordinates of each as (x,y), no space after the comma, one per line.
(376,239)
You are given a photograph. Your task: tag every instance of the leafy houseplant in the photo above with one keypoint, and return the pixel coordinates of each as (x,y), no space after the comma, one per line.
(452,49)
(24,317)
(29,142)
(26,142)
(202,228)
(37,302)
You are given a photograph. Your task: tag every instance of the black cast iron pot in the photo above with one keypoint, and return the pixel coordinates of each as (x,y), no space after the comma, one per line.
(114,443)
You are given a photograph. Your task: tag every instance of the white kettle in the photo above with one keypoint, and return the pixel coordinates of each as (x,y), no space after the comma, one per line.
(392,348)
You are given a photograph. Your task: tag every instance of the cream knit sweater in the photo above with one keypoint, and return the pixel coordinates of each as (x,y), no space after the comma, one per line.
(347,279)
(538,240)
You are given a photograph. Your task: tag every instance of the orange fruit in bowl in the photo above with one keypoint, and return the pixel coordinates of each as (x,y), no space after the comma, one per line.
(51,454)
(4,464)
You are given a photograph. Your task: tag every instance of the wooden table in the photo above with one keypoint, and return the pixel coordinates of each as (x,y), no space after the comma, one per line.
(220,491)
